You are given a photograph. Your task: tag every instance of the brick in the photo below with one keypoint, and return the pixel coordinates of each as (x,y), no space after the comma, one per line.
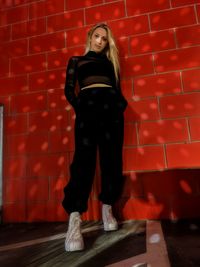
(28,102)
(95,189)
(4,66)
(5,33)
(15,124)
(13,15)
(37,9)
(55,212)
(15,48)
(194,128)
(56,188)
(71,4)
(93,212)
(130,135)
(138,209)
(130,26)
(66,20)
(123,46)
(15,167)
(143,158)
(127,88)
(170,182)
(47,165)
(157,85)
(163,131)
(132,186)
(53,7)
(77,36)
(191,80)
(139,7)
(47,80)
(5,101)
(177,59)
(101,13)
(28,144)
(47,42)
(135,66)
(14,190)
(28,28)
(96,186)
(188,36)
(28,64)
(7,87)
(48,121)
(14,212)
(172,18)
(5,146)
(59,58)
(37,189)
(57,99)
(45,8)
(37,144)
(184,2)
(6,4)
(198,12)
(72,115)
(62,141)
(183,155)
(180,105)
(38,81)
(142,110)
(37,212)
(151,42)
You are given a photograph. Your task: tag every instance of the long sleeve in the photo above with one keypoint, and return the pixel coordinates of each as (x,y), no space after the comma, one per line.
(118,84)
(122,101)
(70,84)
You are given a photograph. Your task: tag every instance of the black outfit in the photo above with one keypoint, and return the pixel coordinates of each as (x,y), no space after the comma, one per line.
(99,123)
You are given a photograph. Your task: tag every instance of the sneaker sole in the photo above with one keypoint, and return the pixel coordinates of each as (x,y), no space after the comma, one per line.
(108,229)
(72,249)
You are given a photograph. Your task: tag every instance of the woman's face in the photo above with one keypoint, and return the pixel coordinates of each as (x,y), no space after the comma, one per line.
(99,40)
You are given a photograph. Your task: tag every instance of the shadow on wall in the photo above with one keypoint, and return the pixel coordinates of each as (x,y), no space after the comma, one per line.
(166,194)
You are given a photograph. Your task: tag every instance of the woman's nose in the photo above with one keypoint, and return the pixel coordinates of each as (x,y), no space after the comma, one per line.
(99,40)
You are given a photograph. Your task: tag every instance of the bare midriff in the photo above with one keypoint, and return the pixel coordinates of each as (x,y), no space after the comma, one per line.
(96,85)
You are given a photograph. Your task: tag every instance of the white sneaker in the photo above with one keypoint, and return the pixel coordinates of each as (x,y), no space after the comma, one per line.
(109,222)
(74,238)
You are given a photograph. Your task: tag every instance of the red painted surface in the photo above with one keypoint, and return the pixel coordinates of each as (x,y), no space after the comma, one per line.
(159,47)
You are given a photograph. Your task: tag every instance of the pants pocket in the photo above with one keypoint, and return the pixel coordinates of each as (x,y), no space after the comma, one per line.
(121,103)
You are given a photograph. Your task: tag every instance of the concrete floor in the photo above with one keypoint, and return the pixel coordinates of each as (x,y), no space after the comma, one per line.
(135,244)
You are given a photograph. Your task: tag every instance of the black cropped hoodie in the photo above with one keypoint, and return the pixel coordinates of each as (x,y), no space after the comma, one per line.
(89,69)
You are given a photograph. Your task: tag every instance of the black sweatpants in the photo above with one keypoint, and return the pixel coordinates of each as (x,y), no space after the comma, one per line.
(99,124)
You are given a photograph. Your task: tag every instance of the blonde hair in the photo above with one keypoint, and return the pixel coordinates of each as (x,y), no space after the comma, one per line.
(110,50)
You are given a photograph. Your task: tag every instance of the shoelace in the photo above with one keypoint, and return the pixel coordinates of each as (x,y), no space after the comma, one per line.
(74,230)
(109,216)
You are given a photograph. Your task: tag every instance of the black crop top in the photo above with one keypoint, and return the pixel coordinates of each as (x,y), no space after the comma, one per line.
(88,69)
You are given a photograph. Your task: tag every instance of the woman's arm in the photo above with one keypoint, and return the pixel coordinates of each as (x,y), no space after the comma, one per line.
(122,102)
(70,84)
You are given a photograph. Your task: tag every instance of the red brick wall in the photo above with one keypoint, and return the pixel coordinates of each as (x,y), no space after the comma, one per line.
(159,45)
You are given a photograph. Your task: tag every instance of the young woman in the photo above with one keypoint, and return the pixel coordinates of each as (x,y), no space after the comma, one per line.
(99,107)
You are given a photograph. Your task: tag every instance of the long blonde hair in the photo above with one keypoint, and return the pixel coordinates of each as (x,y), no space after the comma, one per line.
(110,50)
